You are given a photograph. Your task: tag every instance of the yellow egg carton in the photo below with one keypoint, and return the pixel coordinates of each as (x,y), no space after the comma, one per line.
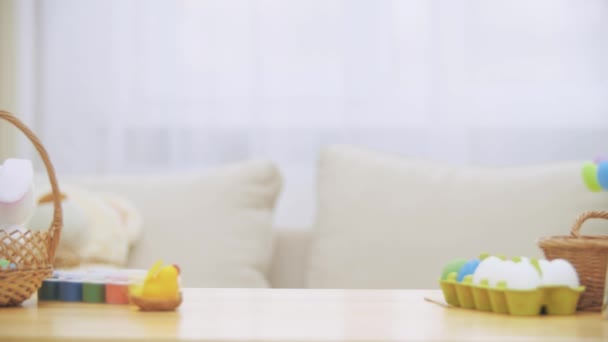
(552,300)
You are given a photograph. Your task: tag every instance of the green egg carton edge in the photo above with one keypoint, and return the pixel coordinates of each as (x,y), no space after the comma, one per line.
(556,300)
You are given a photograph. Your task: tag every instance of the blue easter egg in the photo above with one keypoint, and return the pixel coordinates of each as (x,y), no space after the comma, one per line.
(602,174)
(468,268)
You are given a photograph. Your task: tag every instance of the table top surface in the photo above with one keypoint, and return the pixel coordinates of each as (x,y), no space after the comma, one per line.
(290,315)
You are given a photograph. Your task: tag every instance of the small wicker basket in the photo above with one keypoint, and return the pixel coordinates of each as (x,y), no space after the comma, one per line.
(588,254)
(32,252)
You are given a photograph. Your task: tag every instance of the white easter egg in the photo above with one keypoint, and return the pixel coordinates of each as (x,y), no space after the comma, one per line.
(542,263)
(497,273)
(559,272)
(521,275)
(485,269)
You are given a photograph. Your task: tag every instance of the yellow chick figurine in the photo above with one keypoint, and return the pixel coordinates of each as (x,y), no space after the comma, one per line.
(160,290)
(162,284)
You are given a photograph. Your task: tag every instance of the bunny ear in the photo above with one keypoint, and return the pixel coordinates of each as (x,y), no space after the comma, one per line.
(590,177)
(602,174)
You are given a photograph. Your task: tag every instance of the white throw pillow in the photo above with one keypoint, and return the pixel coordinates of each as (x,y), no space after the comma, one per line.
(215,224)
(386,221)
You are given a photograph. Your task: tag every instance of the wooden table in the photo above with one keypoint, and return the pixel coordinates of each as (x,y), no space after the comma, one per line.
(290,315)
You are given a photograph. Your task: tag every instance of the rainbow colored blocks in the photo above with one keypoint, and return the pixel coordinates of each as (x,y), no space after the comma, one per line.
(90,286)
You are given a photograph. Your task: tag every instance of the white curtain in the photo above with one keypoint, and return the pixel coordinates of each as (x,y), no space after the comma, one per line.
(132,85)
(7,76)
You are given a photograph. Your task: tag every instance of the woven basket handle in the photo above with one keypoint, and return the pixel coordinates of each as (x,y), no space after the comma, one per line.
(55,229)
(576,227)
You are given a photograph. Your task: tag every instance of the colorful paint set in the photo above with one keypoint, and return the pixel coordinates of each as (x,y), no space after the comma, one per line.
(91,286)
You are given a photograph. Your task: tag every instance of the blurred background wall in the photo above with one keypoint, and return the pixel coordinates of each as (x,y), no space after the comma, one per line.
(7,75)
(150,85)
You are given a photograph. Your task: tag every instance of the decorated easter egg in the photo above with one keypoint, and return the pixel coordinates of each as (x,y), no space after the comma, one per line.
(590,177)
(468,268)
(558,272)
(520,275)
(602,174)
(543,264)
(496,274)
(453,266)
(485,269)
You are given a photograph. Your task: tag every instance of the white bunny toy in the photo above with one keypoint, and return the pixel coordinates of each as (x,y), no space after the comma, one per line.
(17,198)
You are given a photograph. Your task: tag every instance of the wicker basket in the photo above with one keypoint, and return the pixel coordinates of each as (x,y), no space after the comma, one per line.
(588,254)
(32,252)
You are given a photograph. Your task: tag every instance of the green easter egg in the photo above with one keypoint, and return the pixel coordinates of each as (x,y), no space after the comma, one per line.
(453,266)
(590,177)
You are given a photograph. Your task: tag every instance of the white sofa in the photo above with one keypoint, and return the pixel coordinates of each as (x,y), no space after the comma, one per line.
(384,221)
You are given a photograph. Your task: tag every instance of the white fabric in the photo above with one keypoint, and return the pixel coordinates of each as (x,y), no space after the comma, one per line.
(386,221)
(215,224)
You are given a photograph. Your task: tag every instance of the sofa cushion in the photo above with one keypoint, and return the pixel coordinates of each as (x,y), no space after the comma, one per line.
(386,221)
(216,224)
(290,256)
